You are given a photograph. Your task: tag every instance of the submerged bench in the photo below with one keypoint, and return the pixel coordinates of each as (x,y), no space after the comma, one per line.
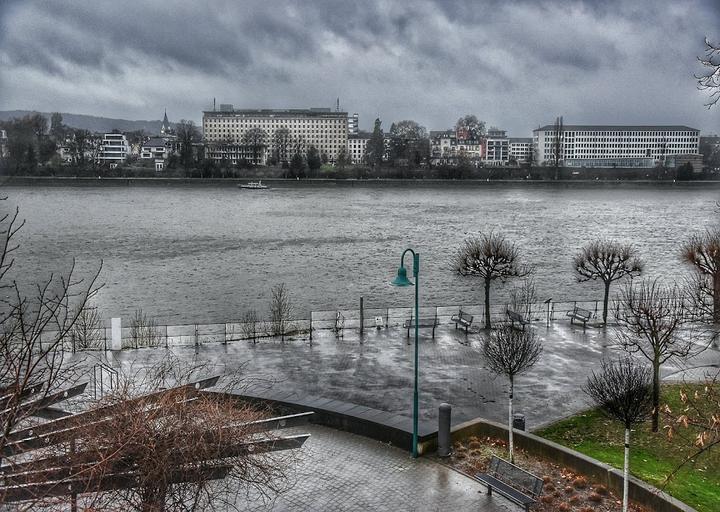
(516,317)
(462,319)
(424,322)
(514,483)
(580,314)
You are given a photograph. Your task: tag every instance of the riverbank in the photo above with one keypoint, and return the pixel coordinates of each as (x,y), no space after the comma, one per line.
(65,181)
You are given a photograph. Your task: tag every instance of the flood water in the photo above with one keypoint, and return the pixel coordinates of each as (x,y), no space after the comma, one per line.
(205,254)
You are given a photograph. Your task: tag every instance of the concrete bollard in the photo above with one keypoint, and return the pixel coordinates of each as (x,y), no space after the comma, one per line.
(445,412)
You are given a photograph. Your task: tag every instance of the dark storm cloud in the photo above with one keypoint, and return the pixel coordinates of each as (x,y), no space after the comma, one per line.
(516,64)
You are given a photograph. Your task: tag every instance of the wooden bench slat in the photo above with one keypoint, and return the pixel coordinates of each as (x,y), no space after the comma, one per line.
(463,319)
(505,489)
(513,482)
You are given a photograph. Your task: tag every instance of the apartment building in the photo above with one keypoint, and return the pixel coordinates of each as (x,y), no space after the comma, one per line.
(227,138)
(114,149)
(614,145)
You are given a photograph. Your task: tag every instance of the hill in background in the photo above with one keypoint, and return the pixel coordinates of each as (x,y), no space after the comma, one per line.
(92,123)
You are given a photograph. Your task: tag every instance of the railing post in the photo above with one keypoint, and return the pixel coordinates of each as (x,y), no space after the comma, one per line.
(362,318)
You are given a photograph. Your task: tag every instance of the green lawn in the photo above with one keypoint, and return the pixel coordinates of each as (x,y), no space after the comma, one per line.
(652,456)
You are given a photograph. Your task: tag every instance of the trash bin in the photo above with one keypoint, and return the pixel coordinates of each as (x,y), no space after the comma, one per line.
(519,421)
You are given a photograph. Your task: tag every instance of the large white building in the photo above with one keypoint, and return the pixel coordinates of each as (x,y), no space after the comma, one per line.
(521,149)
(224,132)
(356,147)
(114,148)
(613,146)
(498,147)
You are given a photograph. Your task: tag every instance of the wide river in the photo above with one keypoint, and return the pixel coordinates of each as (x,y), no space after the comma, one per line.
(207,254)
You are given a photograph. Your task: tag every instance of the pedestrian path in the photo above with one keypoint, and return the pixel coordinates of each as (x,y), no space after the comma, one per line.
(338,471)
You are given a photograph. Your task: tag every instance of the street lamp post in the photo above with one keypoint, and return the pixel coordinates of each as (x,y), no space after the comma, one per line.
(402,280)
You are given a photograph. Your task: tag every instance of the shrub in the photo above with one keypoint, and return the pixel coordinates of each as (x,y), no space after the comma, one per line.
(580,482)
(595,497)
(601,490)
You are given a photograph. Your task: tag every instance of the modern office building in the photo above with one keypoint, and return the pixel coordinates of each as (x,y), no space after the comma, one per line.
(227,137)
(614,146)
(498,147)
(356,146)
(521,149)
(114,148)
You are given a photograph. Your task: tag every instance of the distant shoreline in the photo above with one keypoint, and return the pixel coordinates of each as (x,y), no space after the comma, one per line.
(61,181)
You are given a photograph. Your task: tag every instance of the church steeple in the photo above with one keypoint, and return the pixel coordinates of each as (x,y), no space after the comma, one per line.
(165,128)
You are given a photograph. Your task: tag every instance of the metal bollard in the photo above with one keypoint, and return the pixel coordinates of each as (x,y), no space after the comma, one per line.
(445,411)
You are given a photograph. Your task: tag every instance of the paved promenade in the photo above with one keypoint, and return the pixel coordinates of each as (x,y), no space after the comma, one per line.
(343,472)
(376,370)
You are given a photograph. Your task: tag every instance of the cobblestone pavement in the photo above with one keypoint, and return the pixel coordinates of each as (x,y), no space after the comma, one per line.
(378,371)
(339,471)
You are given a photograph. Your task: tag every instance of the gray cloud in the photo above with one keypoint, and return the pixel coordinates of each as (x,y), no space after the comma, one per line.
(515,64)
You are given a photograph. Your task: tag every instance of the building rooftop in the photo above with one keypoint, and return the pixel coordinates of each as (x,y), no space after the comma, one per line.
(526,140)
(272,112)
(617,128)
(154,142)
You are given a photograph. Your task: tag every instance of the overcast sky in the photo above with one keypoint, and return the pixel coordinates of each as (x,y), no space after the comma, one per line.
(515,64)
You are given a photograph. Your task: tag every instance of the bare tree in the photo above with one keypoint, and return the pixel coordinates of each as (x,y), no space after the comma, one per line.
(256,140)
(250,325)
(88,331)
(282,142)
(33,330)
(650,317)
(557,145)
(281,311)
(523,297)
(702,251)
(710,79)
(144,330)
(187,135)
(698,420)
(189,451)
(622,391)
(151,449)
(511,352)
(607,261)
(489,257)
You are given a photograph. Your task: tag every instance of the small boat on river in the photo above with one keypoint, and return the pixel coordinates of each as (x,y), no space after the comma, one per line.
(253,185)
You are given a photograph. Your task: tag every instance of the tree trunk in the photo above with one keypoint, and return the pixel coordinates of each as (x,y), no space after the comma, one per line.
(510,422)
(626,470)
(606,298)
(487,303)
(716,297)
(656,395)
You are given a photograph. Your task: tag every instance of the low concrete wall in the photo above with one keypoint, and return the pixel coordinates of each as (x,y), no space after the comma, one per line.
(640,492)
(357,419)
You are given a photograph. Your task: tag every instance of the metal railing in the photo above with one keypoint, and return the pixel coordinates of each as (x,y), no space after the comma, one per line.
(337,320)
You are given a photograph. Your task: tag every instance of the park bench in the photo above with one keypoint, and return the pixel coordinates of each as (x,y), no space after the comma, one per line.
(580,314)
(516,317)
(462,319)
(514,483)
(424,322)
